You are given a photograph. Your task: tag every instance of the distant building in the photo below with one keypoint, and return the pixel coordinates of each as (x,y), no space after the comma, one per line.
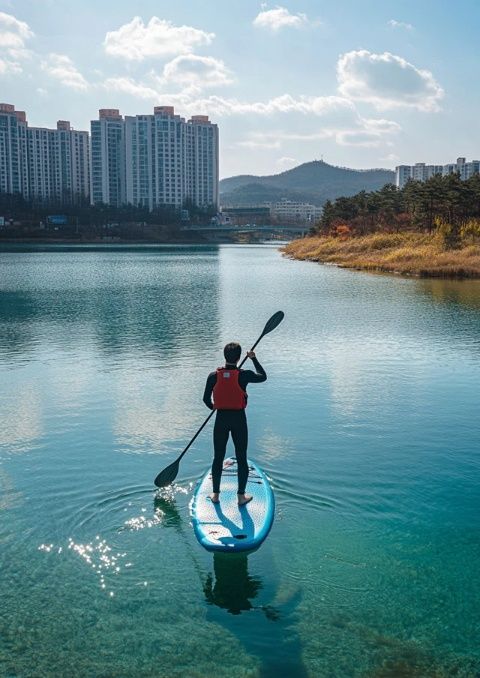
(12,150)
(157,160)
(283,211)
(108,158)
(202,161)
(245,215)
(290,210)
(422,172)
(50,165)
(58,163)
(154,160)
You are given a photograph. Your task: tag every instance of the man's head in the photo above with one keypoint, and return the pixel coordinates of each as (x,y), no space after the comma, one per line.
(232,352)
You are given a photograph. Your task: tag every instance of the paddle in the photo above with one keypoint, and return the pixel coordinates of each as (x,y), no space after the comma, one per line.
(168,475)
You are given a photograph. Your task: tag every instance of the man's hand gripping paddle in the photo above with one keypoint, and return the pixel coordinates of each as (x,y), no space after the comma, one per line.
(168,475)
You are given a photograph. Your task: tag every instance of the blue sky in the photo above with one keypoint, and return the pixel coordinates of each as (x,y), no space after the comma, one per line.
(362,83)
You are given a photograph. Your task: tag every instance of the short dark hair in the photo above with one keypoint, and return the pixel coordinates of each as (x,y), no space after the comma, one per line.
(232,352)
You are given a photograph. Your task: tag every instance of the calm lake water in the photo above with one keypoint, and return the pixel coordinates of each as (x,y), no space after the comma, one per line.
(368,427)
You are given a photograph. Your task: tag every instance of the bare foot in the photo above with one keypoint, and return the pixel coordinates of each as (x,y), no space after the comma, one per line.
(244,499)
(215,497)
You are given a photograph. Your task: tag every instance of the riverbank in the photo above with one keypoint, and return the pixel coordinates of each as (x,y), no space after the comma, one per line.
(100,241)
(415,254)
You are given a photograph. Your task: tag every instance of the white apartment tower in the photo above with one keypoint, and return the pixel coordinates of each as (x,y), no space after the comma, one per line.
(156,160)
(13,178)
(164,159)
(48,165)
(108,158)
(422,172)
(58,163)
(202,158)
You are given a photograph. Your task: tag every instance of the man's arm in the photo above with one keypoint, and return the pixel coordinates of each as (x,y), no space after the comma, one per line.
(259,375)
(207,394)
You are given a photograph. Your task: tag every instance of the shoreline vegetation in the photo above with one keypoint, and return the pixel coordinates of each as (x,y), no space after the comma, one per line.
(425,229)
(409,254)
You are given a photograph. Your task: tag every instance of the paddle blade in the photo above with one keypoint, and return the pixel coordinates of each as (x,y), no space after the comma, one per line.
(274,322)
(168,475)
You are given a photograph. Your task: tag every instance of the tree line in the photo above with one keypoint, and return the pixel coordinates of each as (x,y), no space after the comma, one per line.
(442,204)
(14,207)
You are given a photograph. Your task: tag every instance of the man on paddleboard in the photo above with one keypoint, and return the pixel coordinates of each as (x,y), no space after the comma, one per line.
(229,388)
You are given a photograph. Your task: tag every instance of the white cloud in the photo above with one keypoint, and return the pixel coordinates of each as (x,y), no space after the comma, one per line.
(287,163)
(13,33)
(380,126)
(136,41)
(338,118)
(387,81)
(13,37)
(260,141)
(391,157)
(129,86)
(284,103)
(214,104)
(362,138)
(353,131)
(196,71)
(280,17)
(62,68)
(7,66)
(400,24)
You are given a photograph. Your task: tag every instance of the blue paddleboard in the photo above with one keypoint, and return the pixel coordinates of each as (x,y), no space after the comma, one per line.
(227,526)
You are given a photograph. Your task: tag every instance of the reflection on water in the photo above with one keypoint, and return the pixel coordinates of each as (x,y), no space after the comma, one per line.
(367,427)
(231,588)
(20,417)
(117,302)
(454,292)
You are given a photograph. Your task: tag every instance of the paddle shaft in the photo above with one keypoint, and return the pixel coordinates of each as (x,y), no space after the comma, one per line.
(213,411)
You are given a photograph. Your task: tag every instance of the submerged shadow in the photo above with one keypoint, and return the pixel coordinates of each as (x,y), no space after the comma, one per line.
(233,589)
(231,592)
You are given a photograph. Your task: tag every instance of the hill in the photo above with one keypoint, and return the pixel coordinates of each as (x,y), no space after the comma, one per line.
(313,182)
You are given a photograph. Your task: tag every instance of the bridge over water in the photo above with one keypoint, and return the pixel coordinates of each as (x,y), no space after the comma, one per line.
(262,231)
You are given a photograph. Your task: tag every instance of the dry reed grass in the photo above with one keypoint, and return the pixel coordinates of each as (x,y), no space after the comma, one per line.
(404,253)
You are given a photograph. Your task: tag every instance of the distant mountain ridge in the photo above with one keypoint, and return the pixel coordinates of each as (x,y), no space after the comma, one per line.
(313,182)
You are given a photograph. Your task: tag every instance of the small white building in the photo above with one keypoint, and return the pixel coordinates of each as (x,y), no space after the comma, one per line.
(290,210)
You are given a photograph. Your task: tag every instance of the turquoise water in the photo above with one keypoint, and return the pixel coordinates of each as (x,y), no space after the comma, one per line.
(367,426)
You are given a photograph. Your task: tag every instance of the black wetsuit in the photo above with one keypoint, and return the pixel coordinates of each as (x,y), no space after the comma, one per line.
(232,422)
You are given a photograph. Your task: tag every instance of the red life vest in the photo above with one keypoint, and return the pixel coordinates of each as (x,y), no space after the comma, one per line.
(227,392)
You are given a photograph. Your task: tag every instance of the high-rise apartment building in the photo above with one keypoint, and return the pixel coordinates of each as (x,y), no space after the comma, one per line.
(12,143)
(58,163)
(162,159)
(202,159)
(422,172)
(157,160)
(49,165)
(108,158)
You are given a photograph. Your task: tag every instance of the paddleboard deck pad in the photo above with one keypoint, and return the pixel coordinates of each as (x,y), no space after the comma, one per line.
(226,526)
